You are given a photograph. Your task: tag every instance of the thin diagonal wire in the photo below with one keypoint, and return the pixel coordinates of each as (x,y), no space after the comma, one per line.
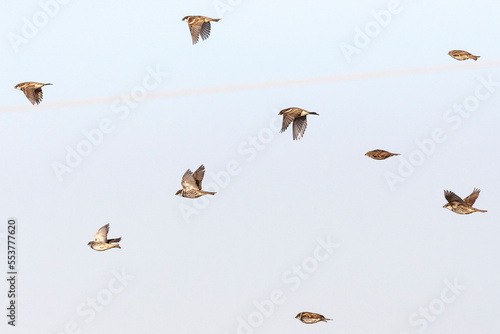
(166,94)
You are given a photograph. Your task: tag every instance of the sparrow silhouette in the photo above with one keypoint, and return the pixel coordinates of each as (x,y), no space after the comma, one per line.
(463,207)
(462,55)
(298,117)
(101,241)
(380,154)
(191,184)
(310,318)
(199,25)
(32,90)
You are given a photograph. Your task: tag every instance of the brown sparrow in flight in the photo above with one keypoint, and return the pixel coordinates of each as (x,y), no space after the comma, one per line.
(101,241)
(462,55)
(298,117)
(199,25)
(380,154)
(32,90)
(463,207)
(310,318)
(191,184)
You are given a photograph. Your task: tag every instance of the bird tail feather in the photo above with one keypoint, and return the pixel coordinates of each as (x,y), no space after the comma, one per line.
(209,192)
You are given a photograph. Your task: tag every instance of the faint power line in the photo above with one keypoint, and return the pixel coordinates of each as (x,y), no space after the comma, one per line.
(258,85)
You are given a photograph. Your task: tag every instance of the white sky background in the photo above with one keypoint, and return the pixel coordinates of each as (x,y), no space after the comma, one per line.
(397,247)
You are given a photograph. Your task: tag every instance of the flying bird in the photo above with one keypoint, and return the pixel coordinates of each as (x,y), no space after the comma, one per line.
(463,207)
(199,25)
(298,117)
(380,154)
(32,90)
(462,55)
(191,184)
(101,241)
(310,318)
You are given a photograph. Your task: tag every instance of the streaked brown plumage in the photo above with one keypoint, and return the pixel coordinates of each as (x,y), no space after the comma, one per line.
(380,154)
(191,184)
(310,318)
(463,207)
(298,117)
(199,25)
(462,55)
(101,241)
(32,90)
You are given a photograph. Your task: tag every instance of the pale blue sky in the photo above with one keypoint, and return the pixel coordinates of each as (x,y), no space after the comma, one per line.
(200,266)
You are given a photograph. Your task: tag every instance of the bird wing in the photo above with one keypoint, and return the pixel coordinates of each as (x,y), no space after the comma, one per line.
(113,240)
(299,127)
(381,154)
(39,95)
(102,234)
(374,153)
(287,119)
(310,315)
(469,200)
(205,30)
(195,29)
(188,181)
(451,197)
(198,176)
(34,95)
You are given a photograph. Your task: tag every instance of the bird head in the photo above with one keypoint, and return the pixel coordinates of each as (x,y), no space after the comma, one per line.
(447,206)
(18,86)
(298,315)
(179,193)
(90,243)
(185,19)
